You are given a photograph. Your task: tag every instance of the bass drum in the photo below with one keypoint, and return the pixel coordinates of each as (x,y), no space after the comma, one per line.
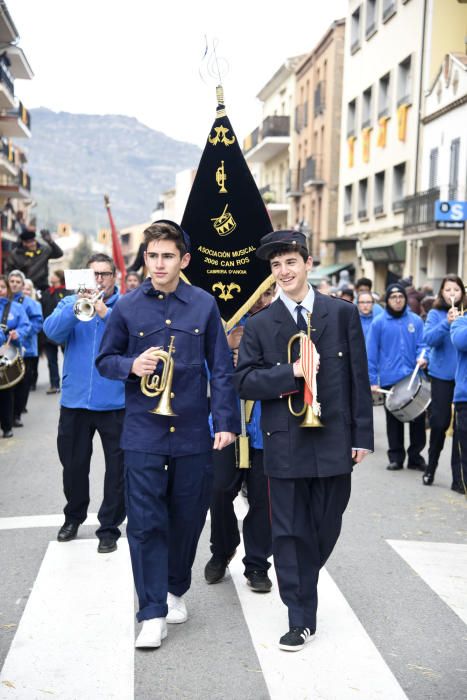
(407,404)
(11,366)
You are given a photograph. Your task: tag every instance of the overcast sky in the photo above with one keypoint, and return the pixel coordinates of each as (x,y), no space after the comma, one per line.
(142,58)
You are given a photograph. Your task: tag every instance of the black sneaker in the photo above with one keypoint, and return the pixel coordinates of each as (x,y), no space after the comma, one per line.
(295,639)
(458,488)
(17,423)
(259,581)
(394,466)
(214,571)
(107,545)
(7,433)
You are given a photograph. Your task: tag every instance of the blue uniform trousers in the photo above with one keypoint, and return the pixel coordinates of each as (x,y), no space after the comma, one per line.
(306,523)
(167,499)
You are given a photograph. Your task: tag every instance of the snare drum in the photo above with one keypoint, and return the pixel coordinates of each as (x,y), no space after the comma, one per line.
(405,404)
(11,366)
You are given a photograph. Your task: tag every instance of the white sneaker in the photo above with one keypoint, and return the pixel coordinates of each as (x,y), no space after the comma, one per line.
(152,633)
(177,610)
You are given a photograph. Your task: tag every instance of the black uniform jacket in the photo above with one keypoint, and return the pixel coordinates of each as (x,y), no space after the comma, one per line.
(264,373)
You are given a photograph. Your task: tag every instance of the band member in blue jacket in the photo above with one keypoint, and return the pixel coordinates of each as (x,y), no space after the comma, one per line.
(89,403)
(366,308)
(394,344)
(168,458)
(14,328)
(442,370)
(34,312)
(309,469)
(459,340)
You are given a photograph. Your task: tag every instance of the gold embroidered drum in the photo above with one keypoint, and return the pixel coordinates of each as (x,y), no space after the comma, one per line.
(11,366)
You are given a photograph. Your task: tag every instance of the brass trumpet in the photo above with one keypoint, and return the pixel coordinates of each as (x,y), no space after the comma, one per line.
(311,411)
(84,309)
(156,384)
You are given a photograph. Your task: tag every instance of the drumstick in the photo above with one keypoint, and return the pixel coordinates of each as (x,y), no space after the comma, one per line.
(415,372)
(384,391)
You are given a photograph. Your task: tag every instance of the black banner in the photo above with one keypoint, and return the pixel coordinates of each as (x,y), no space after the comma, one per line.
(225,218)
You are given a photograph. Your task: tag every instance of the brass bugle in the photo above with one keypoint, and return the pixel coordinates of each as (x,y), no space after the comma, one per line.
(155,384)
(310,420)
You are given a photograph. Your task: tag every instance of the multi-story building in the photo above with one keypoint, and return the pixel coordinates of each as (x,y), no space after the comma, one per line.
(314,163)
(266,149)
(437,249)
(15,183)
(389,54)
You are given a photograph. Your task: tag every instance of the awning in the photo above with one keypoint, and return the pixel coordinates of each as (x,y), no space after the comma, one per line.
(391,252)
(322,271)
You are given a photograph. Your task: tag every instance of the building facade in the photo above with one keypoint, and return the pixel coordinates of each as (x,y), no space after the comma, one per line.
(266,149)
(314,163)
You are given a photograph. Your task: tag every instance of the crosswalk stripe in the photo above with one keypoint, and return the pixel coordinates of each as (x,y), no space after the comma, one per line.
(341,663)
(76,635)
(443,567)
(20,522)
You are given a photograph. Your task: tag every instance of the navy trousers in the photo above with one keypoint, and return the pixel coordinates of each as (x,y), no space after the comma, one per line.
(459,472)
(167,499)
(225,537)
(395,432)
(306,523)
(442,392)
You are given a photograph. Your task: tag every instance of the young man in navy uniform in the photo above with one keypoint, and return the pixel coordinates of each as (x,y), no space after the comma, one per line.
(309,469)
(168,459)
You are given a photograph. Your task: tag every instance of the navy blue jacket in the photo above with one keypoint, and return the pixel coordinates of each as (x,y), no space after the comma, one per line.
(265,374)
(459,340)
(82,385)
(393,346)
(147,318)
(443,355)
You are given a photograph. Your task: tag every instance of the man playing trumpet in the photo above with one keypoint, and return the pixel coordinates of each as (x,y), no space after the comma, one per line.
(172,330)
(309,465)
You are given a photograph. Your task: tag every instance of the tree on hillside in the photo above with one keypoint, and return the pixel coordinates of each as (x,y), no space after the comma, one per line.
(82,253)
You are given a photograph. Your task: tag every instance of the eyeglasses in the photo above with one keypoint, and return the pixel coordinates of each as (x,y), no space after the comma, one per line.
(103,274)
(365,302)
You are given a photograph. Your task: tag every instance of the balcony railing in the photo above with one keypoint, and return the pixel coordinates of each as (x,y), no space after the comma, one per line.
(313,171)
(362,214)
(419,210)
(276,125)
(348,217)
(6,79)
(295,181)
(378,209)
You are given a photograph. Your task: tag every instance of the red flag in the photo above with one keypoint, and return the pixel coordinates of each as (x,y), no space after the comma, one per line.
(309,360)
(116,247)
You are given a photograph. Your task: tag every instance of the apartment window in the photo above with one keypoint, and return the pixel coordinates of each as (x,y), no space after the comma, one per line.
(404,83)
(371,15)
(355,31)
(389,9)
(348,195)
(433,174)
(379,193)
(398,187)
(383,96)
(363,199)
(351,118)
(305,114)
(367,108)
(454,169)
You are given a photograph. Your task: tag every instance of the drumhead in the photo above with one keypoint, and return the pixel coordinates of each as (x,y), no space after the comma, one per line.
(8,353)
(401,395)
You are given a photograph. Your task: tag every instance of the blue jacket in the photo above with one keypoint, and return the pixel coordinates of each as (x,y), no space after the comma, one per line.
(82,385)
(17,320)
(459,340)
(393,346)
(34,313)
(147,318)
(443,355)
(367,320)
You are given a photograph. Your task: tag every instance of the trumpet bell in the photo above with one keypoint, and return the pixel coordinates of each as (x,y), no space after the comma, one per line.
(311,420)
(84,310)
(164,407)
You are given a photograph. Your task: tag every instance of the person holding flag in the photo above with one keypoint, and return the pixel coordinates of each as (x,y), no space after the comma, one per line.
(309,463)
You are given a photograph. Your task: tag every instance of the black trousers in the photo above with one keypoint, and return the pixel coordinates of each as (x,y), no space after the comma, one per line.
(442,392)
(459,471)
(51,351)
(76,429)
(21,390)
(395,433)
(6,409)
(306,523)
(225,537)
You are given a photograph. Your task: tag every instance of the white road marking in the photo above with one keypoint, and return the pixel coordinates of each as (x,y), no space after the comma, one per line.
(76,635)
(342,663)
(54,520)
(443,567)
